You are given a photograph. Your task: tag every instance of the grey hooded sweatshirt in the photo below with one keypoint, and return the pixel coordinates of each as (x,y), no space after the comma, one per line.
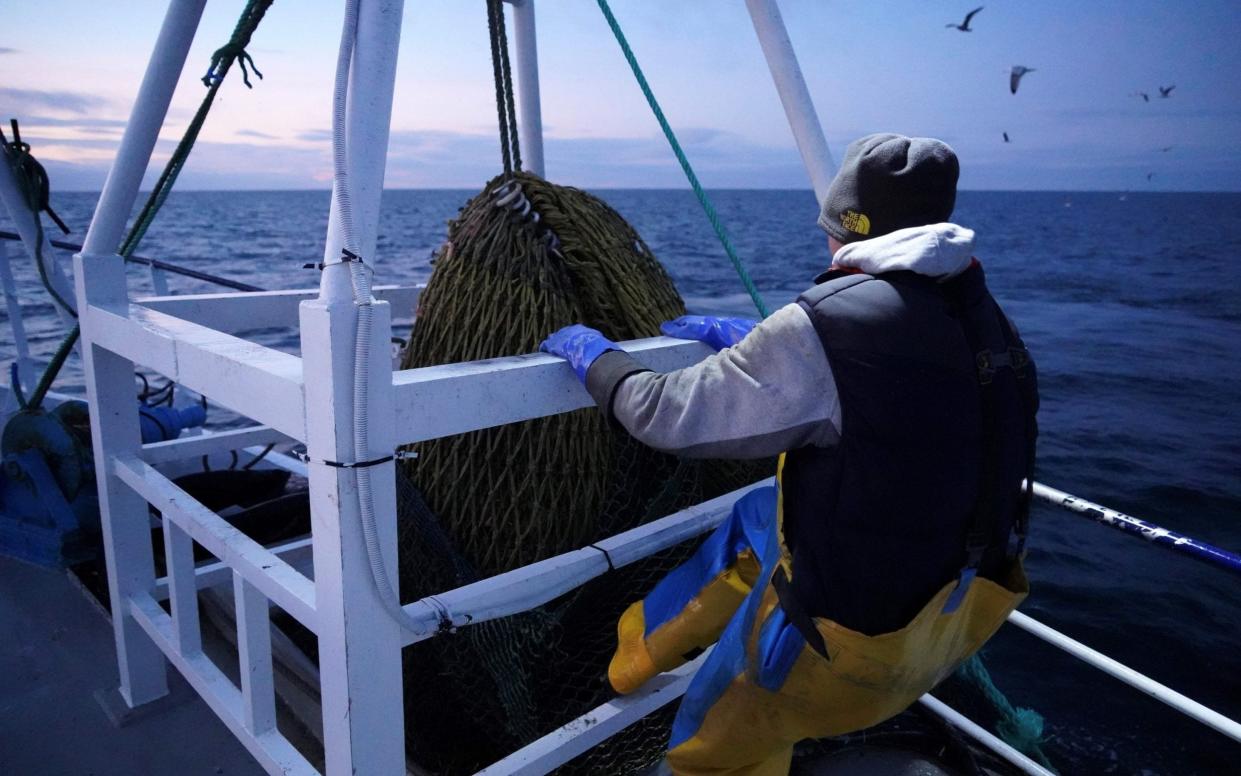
(774,390)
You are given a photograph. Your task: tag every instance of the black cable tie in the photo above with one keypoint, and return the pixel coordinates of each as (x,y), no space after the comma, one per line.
(346,257)
(606,556)
(400,455)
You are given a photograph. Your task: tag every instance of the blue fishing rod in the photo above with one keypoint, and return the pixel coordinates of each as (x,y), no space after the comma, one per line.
(1178,543)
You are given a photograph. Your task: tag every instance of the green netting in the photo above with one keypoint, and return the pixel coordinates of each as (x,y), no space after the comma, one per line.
(489,501)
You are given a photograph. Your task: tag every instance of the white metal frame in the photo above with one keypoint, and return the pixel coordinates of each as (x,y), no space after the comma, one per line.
(325,582)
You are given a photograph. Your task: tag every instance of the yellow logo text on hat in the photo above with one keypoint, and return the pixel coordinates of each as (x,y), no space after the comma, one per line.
(855,222)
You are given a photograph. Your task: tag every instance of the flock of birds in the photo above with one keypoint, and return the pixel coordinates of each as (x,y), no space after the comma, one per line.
(1019,71)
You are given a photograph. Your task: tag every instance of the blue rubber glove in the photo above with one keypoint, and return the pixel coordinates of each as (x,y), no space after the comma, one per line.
(579,345)
(719,333)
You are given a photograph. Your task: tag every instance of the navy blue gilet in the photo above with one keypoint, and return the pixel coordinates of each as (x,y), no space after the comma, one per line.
(937,435)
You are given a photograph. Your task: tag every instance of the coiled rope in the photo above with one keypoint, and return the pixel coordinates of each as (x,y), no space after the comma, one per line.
(35,187)
(699,192)
(33,183)
(1019,727)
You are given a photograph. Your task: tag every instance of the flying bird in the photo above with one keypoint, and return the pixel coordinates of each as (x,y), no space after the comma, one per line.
(1166,91)
(1150,175)
(1014,77)
(1145,97)
(965,25)
(1006,137)
(1165,149)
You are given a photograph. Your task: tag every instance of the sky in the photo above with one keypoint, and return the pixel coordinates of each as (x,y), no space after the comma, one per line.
(69,70)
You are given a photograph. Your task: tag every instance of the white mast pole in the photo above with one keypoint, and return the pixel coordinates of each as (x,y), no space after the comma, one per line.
(529,112)
(109,377)
(787,75)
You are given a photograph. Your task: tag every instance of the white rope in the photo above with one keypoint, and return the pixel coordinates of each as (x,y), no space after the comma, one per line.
(360,276)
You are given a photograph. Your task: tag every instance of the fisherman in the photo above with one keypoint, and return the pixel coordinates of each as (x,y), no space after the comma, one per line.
(902,403)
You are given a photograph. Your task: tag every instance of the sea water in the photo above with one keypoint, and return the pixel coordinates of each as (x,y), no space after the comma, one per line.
(1131,306)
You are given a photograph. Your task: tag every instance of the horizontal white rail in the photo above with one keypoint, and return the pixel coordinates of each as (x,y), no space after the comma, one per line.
(237,312)
(296,553)
(1166,695)
(523,589)
(439,401)
(601,723)
(206,444)
(595,726)
(982,736)
(281,583)
(250,379)
(273,751)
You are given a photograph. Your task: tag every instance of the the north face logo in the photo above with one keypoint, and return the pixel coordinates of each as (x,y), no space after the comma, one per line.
(855,222)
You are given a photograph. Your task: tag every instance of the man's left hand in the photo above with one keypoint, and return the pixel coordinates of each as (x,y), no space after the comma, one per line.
(719,333)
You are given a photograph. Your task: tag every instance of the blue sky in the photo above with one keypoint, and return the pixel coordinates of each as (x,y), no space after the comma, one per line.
(69,70)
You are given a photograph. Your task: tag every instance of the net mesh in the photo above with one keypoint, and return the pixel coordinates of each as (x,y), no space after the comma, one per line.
(489,501)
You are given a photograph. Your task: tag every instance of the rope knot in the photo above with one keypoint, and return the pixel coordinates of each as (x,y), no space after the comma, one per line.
(235,50)
(223,58)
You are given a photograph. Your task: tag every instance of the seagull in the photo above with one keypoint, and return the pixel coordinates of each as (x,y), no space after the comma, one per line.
(1145,97)
(1006,137)
(1014,77)
(965,25)
(1166,91)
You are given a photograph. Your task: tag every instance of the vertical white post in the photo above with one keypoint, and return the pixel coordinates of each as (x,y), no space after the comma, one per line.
(182,588)
(529,112)
(25,375)
(109,378)
(159,281)
(28,229)
(359,641)
(258,685)
(798,107)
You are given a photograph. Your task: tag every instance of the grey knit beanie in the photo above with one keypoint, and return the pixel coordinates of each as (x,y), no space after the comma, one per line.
(888,182)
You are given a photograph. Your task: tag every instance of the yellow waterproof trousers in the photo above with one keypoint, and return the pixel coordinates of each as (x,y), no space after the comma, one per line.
(763,688)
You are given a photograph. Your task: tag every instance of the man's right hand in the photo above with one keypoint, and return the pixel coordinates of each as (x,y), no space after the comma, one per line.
(719,333)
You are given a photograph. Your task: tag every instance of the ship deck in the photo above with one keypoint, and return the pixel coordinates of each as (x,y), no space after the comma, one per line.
(56,658)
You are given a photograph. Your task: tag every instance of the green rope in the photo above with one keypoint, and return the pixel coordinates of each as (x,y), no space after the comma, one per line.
(53,369)
(712,216)
(1020,728)
(221,61)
